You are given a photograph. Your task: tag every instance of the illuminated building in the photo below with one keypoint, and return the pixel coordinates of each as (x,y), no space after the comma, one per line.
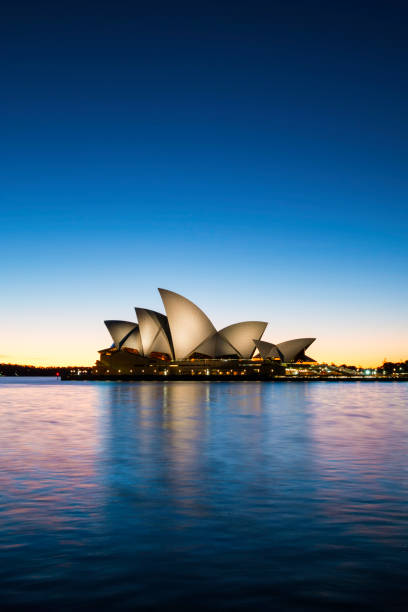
(184,340)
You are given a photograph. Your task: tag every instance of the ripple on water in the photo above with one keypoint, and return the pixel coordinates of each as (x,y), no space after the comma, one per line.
(225,495)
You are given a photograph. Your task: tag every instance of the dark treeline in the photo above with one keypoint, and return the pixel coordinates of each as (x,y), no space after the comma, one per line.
(389,367)
(12,369)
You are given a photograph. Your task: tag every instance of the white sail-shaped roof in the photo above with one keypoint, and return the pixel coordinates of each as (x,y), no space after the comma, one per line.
(133,341)
(241,336)
(189,326)
(187,330)
(291,349)
(154,331)
(119,330)
(216,346)
(288,351)
(267,349)
(208,347)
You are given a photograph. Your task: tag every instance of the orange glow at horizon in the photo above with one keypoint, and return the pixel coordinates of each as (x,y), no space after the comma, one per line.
(76,341)
(88,355)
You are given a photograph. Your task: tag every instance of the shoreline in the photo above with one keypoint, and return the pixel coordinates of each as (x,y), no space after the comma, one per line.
(201,378)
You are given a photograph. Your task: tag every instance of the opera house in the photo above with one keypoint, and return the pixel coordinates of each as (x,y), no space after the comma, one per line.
(184,342)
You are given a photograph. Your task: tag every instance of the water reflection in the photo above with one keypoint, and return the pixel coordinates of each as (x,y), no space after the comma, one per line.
(225,495)
(360,449)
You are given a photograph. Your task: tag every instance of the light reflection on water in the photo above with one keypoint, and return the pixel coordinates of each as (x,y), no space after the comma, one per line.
(198,495)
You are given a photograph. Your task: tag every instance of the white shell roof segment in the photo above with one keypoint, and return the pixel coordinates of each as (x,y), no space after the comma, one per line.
(291,348)
(154,331)
(119,330)
(288,350)
(242,335)
(216,346)
(189,326)
(133,341)
(266,349)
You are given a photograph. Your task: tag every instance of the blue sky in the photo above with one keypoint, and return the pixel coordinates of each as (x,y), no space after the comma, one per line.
(251,157)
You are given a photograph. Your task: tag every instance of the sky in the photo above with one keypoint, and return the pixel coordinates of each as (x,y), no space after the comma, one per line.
(250,156)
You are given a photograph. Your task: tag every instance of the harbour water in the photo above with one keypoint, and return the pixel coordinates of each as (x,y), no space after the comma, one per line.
(199,495)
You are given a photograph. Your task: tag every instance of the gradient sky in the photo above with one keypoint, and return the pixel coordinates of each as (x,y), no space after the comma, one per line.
(250,156)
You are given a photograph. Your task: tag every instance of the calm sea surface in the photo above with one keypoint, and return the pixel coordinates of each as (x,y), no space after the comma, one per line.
(287,496)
